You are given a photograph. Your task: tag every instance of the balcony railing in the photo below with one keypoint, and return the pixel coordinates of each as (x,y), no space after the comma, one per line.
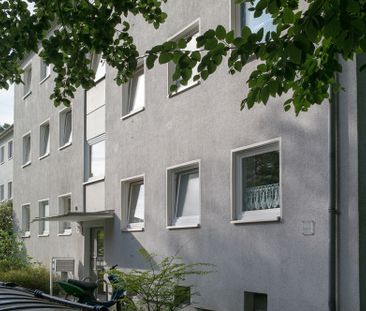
(262,197)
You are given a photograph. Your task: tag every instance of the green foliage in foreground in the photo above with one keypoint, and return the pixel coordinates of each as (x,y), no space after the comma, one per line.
(159,288)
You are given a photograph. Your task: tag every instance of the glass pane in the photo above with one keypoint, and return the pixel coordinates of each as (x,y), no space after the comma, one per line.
(97,159)
(136,203)
(136,91)
(67,126)
(261,181)
(100,243)
(26,149)
(45,139)
(255,23)
(99,68)
(2,154)
(187,201)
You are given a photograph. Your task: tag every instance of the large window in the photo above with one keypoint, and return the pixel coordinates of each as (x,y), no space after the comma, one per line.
(26,149)
(44,142)
(45,70)
(44,211)
(134,93)
(26,220)
(2,154)
(2,193)
(10,149)
(65,127)
(27,79)
(64,207)
(133,203)
(184,197)
(96,158)
(256,183)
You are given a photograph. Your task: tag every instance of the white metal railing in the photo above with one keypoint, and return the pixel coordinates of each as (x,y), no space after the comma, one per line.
(262,197)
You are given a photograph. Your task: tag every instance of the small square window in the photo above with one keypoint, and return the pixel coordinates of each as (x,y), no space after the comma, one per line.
(133,203)
(255,301)
(134,93)
(10,149)
(96,159)
(190,33)
(10,190)
(44,143)
(27,79)
(2,154)
(45,70)
(26,220)
(64,207)
(44,211)
(184,197)
(256,183)
(26,149)
(65,127)
(2,193)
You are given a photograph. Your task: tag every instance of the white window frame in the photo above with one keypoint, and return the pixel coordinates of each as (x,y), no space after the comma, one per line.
(48,71)
(2,154)
(174,222)
(125,203)
(96,59)
(10,190)
(190,30)
(89,144)
(41,231)
(2,193)
(61,230)
(27,89)
(24,164)
(126,100)
(62,144)
(26,234)
(269,215)
(41,142)
(10,154)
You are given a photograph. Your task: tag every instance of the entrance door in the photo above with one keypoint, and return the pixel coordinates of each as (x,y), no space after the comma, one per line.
(97,263)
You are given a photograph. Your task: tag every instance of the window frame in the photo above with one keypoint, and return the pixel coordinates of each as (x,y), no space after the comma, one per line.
(27,71)
(88,164)
(26,234)
(60,224)
(47,71)
(10,143)
(2,193)
(10,190)
(61,113)
(266,215)
(125,203)
(41,146)
(42,232)
(94,65)
(24,164)
(188,31)
(2,154)
(172,191)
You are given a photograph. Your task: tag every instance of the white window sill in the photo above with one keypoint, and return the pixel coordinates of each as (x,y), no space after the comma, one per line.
(65,146)
(65,234)
(93,180)
(26,95)
(183,89)
(44,79)
(26,164)
(1,163)
(132,113)
(26,235)
(44,156)
(11,158)
(270,215)
(193,226)
(43,235)
(136,229)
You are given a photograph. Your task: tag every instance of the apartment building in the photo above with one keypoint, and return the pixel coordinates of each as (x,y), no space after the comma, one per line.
(188,173)
(6,164)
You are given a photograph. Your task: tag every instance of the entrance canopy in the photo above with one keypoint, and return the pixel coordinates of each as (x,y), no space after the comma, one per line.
(79,216)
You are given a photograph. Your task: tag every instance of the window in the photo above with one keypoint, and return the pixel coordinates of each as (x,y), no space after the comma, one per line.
(133,203)
(97,158)
(255,301)
(99,66)
(184,198)
(245,17)
(65,127)
(44,211)
(2,154)
(45,70)
(44,142)
(64,207)
(256,183)
(10,149)
(10,190)
(134,93)
(2,193)
(26,220)
(26,149)
(191,33)
(27,79)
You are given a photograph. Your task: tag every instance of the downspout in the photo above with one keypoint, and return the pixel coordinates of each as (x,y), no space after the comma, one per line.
(333,142)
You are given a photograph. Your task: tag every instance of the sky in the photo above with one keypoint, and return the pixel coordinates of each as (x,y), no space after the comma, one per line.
(7,105)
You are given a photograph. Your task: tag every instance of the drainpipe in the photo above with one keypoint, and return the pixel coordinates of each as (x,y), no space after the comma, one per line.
(333,142)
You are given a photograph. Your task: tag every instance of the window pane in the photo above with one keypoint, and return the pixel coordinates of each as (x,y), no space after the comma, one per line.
(26,149)
(10,149)
(10,190)
(255,23)
(136,91)
(2,154)
(2,194)
(260,175)
(97,159)
(25,218)
(136,203)
(44,211)
(66,127)
(45,70)
(99,67)
(45,139)
(27,80)
(187,201)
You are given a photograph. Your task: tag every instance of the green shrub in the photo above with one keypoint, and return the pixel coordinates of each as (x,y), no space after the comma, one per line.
(6,217)
(32,277)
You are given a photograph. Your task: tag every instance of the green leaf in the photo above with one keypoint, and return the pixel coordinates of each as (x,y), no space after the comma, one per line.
(288,15)
(165,57)
(182,44)
(245,33)
(294,53)
(230,37)
(150,60)
(220,32)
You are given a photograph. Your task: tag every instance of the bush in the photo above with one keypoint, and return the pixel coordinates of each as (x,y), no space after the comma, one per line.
(6,217)
(32,277)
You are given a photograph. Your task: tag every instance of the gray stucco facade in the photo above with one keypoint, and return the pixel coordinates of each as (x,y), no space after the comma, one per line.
(6,165)
(203,124)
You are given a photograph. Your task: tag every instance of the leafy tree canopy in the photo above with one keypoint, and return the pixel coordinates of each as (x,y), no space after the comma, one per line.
(301,57)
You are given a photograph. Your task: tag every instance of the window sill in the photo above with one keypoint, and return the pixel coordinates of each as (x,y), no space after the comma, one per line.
(132,113)
(1,163)
(43,235)
(65,146)
(11,158)
(44,79)
(26,164)
(26,95)
(44,156)
(259,216)
(183,227)
(133,229)
(184,89)
(65,234)
(26,236)
(92,181)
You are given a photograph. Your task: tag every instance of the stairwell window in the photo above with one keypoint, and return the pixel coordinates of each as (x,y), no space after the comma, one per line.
(256,183)
(10,190)
(98,65)
(26,220)
(64,207)
(45,71)
(27,79)
(96,169)
(44,211)
(26,149)
(2,154)
(10,149)
(44,142)
(65,120)
(2,193)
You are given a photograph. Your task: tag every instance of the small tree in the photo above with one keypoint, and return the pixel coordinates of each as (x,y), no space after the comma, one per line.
(159,288)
